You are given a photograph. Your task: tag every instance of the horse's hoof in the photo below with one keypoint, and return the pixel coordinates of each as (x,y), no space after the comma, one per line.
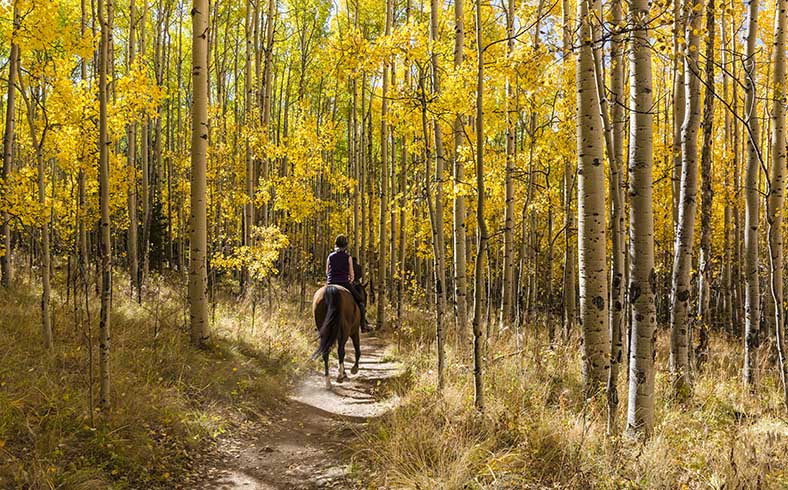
(328,383)
(354,370)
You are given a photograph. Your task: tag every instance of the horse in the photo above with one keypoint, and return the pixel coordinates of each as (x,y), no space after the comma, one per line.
(337,317)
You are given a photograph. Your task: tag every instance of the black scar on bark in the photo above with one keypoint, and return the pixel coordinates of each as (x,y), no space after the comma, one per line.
(683,295)
(599,302)
(634,291)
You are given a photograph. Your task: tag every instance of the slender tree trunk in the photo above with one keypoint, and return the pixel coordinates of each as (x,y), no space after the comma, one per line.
(508,227)
(131,134)
(591,213)
(384,163)
(481,225)
(198,236)
(617,215)
(570,228)
(776,189)
(439,244)
(679,103)
(642,277)
(8,151)
(704,284)
(104,235)
(249,215)
(460,266)
(752,202)
(684,239)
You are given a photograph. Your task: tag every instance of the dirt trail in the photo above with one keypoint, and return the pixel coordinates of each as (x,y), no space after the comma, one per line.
(306,447)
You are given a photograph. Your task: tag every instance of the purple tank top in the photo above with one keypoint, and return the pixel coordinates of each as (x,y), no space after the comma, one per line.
(338,267)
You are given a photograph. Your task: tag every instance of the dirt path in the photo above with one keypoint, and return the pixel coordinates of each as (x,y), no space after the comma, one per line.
(305,445)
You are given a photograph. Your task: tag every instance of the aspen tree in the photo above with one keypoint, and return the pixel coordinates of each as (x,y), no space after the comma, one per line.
(687,205)
(131,157)
(570,257)
(617,214)
(439,245)
(458,215)
(704,283)
(642,277)
(105,243)
(591,212)
(508,227)
(198,236)
(752,311)
(8,149)
(776,189)
(384,163)
(481,225)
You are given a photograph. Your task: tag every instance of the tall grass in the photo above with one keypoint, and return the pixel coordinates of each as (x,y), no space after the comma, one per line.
(170,401)
(539,432)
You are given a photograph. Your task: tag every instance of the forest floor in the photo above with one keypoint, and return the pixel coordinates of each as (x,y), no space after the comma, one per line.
(303,443)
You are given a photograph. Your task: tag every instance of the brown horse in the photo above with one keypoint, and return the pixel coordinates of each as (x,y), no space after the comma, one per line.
(337,317)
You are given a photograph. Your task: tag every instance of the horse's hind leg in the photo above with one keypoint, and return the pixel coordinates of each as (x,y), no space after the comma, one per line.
(325,364)
(357,348)
(341,350)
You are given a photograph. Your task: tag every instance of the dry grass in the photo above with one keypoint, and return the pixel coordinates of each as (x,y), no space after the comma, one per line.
(538,432)
(170,401)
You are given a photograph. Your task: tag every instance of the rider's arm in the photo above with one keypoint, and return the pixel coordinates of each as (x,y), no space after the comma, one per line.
(327,262)
(350,263)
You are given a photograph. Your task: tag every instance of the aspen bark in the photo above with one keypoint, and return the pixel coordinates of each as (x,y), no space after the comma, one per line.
(384,163)
(685,229)
(131,135)
(198,236)
(481,225)
(459,214)
(704,283)
(591,213)
(6,269)
(570,228)
(249,215)
(508,226)
(104,229)
(776,189)
(752,311)
(439,244)
(617,212)
(642,277)
(679,103)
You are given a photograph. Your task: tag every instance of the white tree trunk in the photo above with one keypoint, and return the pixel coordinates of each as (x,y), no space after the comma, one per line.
(104,230)
(774,218)
(684,239)
(752,311)
(459,215)
(198,225)
(642,277)
(8,151)
(591,214)
(505,319)
(481,225)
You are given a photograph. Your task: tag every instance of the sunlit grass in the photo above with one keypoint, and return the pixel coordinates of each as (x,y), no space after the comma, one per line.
(169,401)
(538,431)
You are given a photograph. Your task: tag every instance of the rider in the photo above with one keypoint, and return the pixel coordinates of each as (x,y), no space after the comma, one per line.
(340,271)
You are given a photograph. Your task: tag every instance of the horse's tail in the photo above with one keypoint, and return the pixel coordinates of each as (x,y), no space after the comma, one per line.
(329,331)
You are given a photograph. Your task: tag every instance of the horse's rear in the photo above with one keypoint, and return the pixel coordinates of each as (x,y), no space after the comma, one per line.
(337,317)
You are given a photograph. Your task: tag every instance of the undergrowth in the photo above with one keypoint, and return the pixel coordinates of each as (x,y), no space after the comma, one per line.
(537,431)
(169,400)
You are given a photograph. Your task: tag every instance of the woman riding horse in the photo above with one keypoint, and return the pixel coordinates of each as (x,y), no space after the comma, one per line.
(339,309)
(341,272)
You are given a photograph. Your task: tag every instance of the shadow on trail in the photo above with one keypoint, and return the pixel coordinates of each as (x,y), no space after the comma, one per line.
(305,448)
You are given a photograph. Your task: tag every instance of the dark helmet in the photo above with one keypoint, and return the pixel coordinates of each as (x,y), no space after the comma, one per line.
(341,241)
